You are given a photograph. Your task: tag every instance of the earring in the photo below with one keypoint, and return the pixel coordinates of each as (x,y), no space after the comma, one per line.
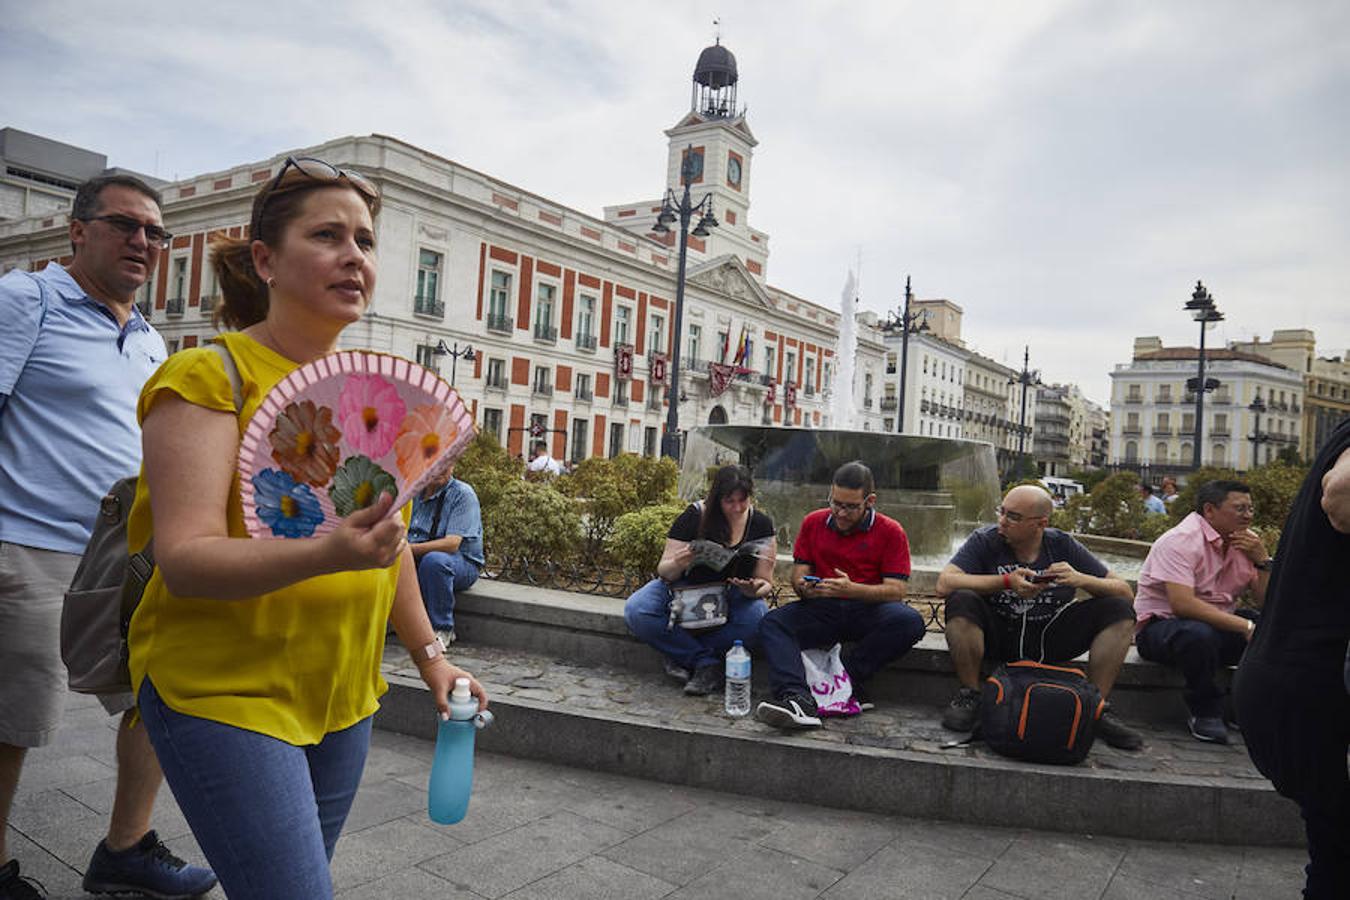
(271,282)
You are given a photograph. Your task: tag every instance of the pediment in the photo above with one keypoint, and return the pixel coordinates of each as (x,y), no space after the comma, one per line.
(728,276)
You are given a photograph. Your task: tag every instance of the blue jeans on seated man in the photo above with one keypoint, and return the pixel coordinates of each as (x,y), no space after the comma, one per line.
(881,632)
(267,814)
(1198,649)
(647,613)
(440,576)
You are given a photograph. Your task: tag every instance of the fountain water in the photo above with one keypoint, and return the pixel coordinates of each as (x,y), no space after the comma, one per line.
(841,401)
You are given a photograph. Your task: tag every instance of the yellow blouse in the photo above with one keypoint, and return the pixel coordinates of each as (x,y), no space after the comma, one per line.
(296,663)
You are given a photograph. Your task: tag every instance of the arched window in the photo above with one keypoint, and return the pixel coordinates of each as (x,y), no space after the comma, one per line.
(1185,452)
(1131,452)
(1220,455)
(1160,452)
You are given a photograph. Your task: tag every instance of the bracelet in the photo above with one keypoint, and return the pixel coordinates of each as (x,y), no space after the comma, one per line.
(1007,581)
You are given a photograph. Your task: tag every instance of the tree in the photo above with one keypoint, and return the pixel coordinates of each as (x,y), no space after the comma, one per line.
(609,488)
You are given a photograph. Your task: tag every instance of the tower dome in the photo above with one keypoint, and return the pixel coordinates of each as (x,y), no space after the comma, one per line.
(715,77)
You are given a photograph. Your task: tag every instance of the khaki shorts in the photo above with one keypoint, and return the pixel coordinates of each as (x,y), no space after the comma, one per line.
(33,688)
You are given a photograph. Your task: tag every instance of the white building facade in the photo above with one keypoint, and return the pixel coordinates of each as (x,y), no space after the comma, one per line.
(1153,413)
(569,317)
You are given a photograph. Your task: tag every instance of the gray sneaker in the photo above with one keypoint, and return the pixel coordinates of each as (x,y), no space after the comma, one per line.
(964,710)
(1116,733)
(447,636)
(1209,728)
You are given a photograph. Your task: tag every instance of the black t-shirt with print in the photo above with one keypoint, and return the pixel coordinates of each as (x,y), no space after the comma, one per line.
(986,552)
(685,528)
(1305,621)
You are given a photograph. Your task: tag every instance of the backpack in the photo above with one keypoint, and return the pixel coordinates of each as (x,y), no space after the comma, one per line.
(109,583)
(1040,713)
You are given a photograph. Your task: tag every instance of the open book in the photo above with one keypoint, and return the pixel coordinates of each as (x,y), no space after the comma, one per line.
(738,562)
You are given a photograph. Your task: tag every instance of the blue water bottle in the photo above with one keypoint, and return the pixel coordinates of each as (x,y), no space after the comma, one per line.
(452,769)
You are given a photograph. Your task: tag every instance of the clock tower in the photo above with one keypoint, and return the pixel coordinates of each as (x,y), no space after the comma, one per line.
(714,132)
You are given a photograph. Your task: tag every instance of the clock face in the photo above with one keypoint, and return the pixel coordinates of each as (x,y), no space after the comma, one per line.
(734,171)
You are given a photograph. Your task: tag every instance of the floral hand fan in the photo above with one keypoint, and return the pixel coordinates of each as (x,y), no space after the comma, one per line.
(340,431)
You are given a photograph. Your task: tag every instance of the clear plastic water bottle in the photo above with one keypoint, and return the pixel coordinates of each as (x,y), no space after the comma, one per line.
(738,681)
(451,780)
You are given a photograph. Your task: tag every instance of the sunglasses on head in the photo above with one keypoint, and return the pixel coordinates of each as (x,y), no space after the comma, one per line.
(316,170)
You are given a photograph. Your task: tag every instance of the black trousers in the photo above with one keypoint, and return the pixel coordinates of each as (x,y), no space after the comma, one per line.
(1296,724)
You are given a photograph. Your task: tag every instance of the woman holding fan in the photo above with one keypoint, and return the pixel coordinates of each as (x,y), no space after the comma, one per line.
(256,662)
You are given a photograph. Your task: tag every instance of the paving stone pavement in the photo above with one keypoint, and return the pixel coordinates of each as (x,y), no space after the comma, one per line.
(537,831)
(1169,750)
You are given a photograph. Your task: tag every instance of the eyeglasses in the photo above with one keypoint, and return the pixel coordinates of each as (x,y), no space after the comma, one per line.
(127,227)
(837,506)
(318,170)
(1015,517)
(1245,509)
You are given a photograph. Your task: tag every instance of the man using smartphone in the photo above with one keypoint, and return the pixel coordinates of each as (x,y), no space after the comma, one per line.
(1011,594)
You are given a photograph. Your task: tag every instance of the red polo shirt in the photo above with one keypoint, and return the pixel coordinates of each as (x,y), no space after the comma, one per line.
(877,548)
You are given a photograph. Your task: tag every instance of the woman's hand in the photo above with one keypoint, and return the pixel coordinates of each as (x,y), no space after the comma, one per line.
(753,587)
(369,538)
(439,675)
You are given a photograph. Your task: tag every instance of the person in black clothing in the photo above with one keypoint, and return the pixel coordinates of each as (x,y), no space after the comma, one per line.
(1290,690)
(725,518)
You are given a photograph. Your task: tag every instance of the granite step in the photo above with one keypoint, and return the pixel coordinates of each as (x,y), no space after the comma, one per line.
(570,686)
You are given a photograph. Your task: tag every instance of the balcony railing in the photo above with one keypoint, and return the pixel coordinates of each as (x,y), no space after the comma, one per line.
(653,400)
(1220,432)
(542,390)
(494,384)
(1222,400)
(689,364)
(1134,398)
(207,302)
(1132,429)
(500,322)
(429,306)
(1162,430)
(174,306)
(585,342)
(583,395)
(621,401)
(545,333)
(809,390)
(889,403)
(146,308)
(1163,399)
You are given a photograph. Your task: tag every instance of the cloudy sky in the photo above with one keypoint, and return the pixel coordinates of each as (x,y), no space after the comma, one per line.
(1063,170)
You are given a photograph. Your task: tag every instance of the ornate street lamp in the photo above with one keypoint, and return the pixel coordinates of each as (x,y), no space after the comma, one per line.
(1026,378)
(1257,407)
(455,353)
(681,208)
(908,323)
(1202,309)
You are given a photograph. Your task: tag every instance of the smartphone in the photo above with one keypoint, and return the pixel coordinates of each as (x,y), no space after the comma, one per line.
(1043,578)
(811,579)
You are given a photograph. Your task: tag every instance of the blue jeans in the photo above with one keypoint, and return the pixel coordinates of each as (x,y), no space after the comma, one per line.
(267,814)
(882,631)
(1197,649)
(440,575)
(647,613)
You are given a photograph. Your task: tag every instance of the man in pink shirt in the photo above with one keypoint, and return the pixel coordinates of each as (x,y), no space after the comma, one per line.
(1187,598)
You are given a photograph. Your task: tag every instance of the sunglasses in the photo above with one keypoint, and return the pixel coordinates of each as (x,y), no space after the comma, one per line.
(127,227)
(316,170)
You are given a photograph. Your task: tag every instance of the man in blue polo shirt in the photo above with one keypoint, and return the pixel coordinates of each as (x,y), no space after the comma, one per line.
(446,536)
(74,353)
(850,565)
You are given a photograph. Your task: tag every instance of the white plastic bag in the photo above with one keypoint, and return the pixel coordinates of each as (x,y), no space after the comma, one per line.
(829,683)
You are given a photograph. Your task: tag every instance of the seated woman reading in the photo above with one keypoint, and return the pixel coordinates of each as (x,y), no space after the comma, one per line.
(721,540)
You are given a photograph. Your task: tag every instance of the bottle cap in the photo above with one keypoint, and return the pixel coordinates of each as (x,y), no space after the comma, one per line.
(461,694)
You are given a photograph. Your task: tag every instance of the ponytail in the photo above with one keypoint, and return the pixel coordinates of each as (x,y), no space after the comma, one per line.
(244,296)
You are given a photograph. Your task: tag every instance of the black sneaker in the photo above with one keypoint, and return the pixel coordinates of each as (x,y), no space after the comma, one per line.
(14,886)
(147,868)
(790,711)
(704,681)
(1209,729)
(1117,733)
(863,698)
(964,710)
